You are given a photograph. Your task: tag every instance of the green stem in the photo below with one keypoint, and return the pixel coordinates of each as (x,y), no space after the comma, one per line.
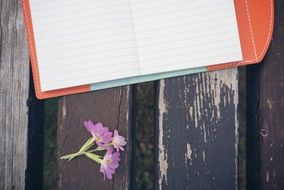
(71,156)
(95,157)
(88,144)
(97,149)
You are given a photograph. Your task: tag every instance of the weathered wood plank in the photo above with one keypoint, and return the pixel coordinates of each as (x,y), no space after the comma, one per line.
(112,107)
(14,90)
(16,108)
(265,108)
(197,131)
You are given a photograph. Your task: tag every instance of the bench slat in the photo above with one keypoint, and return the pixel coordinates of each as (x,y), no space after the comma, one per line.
(265,114)
(112,107)
(21,114)
(197,131)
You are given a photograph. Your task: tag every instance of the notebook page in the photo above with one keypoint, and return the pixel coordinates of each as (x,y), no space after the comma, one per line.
(83,41)
(182,34)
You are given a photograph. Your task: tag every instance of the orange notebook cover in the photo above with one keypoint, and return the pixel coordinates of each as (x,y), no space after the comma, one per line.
(255,20)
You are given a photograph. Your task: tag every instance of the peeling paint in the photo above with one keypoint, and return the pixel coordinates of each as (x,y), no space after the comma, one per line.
(63,109)
(232,84)
(267,176)
(190,111)
(269,103)
(195,116)
(236,102)
(127,98)
(163,157)
(127,116)
(188,151)
(187,126)
(203,98)
(204,133)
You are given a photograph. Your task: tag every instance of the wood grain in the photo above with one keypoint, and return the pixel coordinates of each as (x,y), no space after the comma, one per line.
(197,131)
(265,108)
(14,92)
(20,113)
(112,107)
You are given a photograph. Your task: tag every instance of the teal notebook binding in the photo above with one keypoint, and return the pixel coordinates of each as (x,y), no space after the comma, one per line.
(145,78)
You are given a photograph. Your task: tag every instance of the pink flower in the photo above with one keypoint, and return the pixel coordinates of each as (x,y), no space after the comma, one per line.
(109,163)
(118,141)
(100,133)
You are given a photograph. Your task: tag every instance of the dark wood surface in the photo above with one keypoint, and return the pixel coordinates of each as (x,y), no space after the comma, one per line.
(112,107)
(196,128)
(20,113)
(197,131)
(265,114)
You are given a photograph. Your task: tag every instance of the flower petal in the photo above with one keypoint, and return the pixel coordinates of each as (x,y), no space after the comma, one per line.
(89,125)
(113,165)
(109,172)
(115,133)
(99,129)
(115,155)
(102,170)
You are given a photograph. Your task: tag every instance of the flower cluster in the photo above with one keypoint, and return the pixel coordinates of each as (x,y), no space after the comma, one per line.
(106,141)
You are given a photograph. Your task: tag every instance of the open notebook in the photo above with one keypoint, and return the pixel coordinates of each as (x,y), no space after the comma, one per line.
(83,45)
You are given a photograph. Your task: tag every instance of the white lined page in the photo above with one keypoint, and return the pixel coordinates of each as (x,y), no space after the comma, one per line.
(181,34)
(89,41)
(83,41)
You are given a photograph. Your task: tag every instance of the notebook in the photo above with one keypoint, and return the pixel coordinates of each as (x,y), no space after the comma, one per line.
(82,45)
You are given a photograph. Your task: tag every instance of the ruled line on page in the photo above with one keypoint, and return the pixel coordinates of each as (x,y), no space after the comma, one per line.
(222,56)
(87,25)
(93,66)
(88,43)
(176,26)
(177,18)
(87,46)
(164,30)
(100,34)
(85,78)
(70,40)
(164,10)
(194,38)
(66,8)
(81,72)
(96,13)
(197,53)
(78,61)
(89,51)
(85,65)
(193,60)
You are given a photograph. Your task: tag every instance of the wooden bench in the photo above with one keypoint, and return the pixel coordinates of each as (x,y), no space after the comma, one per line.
(196,122)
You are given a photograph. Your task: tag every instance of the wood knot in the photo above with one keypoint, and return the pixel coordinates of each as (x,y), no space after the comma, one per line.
(264,132)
